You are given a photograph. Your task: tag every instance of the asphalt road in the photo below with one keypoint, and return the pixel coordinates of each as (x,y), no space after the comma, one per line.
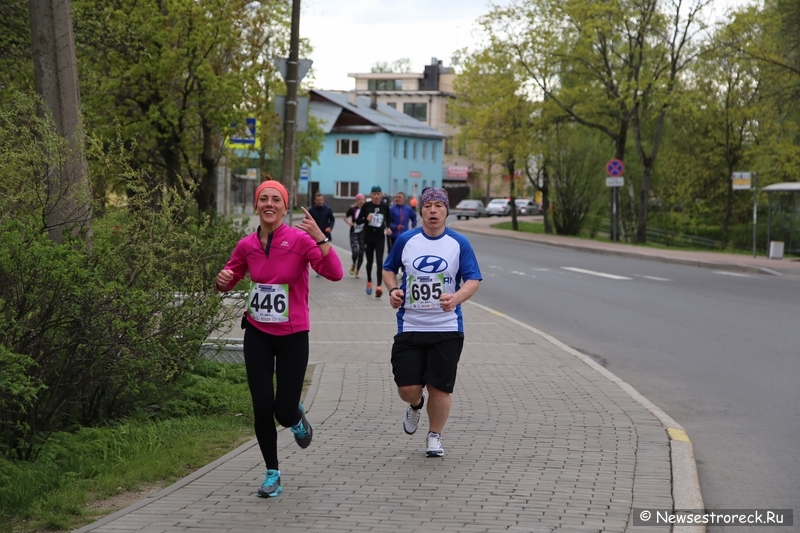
(718,351)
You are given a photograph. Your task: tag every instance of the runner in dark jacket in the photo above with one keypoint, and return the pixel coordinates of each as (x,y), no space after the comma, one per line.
(322,214)
(375,217)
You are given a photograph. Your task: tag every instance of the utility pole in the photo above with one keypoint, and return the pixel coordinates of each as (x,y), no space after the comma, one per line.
(55,68)
(290,110)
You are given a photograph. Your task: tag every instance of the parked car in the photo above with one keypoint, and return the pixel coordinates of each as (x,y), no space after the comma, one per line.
(526,206)
(469,209)
(498,207)
(502,207)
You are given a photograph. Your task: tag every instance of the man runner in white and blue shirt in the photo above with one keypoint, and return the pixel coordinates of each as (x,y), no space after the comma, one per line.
(440,272)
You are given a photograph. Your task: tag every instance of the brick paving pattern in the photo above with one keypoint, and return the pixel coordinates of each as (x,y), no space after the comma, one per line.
(537,441)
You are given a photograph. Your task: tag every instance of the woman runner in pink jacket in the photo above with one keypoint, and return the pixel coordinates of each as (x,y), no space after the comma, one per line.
(276,323)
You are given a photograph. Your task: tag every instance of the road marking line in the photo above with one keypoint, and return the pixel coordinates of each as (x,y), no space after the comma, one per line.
(678,434)
(735,274)
(655,278)
(517,273)
(593,273)
(542,269)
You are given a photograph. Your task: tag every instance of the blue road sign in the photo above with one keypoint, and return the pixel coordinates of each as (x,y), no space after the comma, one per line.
(249,137)
(615,168)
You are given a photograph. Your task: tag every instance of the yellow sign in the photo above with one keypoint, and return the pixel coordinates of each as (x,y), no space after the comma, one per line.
(741,181)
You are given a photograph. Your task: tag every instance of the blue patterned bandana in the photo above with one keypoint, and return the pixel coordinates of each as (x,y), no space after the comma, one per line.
(432,194)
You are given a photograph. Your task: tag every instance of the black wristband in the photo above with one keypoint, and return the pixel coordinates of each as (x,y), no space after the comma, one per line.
(323,241)
(393,289)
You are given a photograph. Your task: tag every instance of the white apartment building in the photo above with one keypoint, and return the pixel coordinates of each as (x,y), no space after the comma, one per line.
(425,96)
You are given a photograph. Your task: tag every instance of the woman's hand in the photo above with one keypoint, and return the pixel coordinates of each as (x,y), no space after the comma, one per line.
(224,279)
(309,226)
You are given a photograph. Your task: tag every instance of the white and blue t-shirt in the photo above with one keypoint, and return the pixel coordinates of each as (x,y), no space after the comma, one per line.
(431,266)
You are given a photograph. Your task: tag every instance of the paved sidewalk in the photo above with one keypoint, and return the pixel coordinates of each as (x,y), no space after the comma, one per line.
(540,439)
(719,260)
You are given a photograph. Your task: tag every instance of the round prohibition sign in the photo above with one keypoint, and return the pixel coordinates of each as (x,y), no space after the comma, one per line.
(615,168)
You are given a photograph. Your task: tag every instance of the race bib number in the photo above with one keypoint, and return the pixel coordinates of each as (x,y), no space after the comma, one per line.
(269,302)
(377,220)
(425,291)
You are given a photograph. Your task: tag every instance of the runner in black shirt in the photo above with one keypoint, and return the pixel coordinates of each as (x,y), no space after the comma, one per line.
(375,217)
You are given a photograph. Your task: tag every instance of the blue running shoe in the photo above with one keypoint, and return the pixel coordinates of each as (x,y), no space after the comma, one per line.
(271,486)
(303,430)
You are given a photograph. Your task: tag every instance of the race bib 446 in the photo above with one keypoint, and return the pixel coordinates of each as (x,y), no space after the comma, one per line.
(268,302)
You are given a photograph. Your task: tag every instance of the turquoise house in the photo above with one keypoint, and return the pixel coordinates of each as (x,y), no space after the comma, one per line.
(370,143)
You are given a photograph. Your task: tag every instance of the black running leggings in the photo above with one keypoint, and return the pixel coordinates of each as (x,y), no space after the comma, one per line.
(286,357)
(357,249)
(375,248)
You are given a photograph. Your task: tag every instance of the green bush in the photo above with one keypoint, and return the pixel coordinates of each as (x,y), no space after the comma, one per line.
(95,328)
(147,447)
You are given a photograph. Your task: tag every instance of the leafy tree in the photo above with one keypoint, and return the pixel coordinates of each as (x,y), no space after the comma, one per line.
(402,65)
(494,113)
(610,66)
(88,334)
(174,76)
(16,64)
(572,158)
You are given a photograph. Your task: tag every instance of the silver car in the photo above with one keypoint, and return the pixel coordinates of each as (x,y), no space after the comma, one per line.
(526,206)
(498,207)
(469,209)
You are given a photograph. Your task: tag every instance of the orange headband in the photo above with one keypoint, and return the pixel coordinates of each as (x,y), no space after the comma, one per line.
(272,184)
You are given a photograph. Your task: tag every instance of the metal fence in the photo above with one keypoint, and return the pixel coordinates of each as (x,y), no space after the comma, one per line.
(223,350)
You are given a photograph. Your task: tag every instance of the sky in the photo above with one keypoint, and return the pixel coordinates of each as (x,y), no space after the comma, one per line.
(352,35)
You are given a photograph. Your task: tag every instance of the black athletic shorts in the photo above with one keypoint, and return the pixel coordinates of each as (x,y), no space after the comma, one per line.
(426,357)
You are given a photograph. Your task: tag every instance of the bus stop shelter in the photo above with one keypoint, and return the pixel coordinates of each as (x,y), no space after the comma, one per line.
(783,215)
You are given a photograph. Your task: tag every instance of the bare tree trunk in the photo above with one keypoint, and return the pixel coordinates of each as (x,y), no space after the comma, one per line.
(56,75)
(206,191)
(548,222)
(726,219)
(512,204)
(648,163)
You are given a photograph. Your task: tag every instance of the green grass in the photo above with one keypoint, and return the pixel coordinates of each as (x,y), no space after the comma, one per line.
(75,471)
(538,227)
(526,227)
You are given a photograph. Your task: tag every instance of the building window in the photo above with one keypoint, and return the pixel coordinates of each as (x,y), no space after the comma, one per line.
(434,149)
(346,189)
(394,150)
(418,110)
(405,149)
(448,146)
(415,150)
(385,85)
(462,147)
(347,146)
(393,105)
(424,151)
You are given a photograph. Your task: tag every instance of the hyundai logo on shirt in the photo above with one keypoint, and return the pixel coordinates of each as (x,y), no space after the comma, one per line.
(430,264)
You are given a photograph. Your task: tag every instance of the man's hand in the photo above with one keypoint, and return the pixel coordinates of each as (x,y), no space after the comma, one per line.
(448,301)
(396,298)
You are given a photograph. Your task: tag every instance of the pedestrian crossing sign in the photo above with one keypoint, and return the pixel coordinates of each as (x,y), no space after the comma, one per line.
(247,139)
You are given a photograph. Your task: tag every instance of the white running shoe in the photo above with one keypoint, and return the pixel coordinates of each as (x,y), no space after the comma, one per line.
(411,418)
(434,445)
